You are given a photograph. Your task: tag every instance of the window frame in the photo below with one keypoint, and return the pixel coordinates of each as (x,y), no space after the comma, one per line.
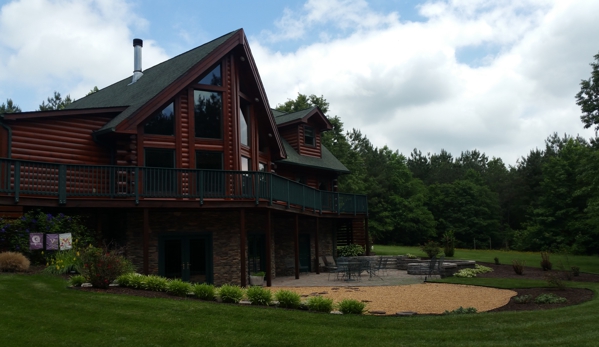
(306,128)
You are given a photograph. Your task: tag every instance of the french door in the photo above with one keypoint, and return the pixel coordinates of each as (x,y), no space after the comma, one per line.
(186,256)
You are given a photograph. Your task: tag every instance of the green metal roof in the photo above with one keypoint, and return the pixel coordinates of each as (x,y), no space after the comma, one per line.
(153,81)
(327,162)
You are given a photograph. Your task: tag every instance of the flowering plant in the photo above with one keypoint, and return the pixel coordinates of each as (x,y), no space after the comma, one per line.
(101,266)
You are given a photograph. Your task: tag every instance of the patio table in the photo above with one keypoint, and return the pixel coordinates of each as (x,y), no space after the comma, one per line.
(350,268)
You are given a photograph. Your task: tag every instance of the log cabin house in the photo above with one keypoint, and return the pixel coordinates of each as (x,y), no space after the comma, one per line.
(188,167)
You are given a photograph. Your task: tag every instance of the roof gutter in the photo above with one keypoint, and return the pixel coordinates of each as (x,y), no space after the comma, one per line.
(9,130)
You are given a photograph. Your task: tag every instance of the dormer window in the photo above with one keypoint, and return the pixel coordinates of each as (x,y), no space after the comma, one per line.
(309,138)
(213,78)
(162,122)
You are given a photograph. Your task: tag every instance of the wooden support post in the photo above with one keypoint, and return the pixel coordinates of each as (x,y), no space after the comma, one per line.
(367,236)
(268,250)
(316,250)
(146,242)
(296,246)
(242,248)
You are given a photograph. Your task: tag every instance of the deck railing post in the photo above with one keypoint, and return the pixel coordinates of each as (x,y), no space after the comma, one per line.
(137,185)
(355,208)
(62,184)
(303,198)
(201,187)
(257,186)
(17,180)
(288,199)
(270,189)
(111,181)
(338,207)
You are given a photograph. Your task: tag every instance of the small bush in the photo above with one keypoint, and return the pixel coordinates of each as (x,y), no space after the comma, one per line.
(288,299)
(351,250)
(518,266)
(204,291)
(431,249)
(137,281)
(230,293)
(575,271)
(101,266)
(351,306)
(178,288)
(77,280)
(259,296)
(13,262)
(522,299)
(545,263)
(549,299)
(449,239)
(497,261)
(156,283)
(411,256)
(124,280)
(554,280)
(320,304)
(461,310)
(259,274)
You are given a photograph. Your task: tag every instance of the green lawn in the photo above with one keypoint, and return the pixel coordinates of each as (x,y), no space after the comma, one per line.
(588,264)
(38,310)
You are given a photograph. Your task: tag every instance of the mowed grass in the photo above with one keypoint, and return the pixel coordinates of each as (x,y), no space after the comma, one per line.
(588,264)
(38,310)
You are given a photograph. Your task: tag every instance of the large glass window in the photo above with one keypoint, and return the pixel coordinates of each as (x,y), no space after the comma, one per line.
(213,78)
(245,164)
(244,124)
(309,136)
(208,109)
(162,122)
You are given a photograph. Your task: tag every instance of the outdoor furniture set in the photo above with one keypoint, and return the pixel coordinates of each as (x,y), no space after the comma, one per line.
(352,269)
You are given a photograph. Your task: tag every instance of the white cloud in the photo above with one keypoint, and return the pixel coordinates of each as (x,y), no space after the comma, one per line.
(68,45)
(401,84)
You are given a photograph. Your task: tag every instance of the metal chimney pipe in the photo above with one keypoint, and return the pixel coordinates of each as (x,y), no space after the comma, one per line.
(137,45)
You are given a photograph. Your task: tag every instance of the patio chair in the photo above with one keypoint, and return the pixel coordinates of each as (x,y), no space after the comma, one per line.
(436,267)
(329,265)
(383,268)
(339,271)
(431,267)
(375,268)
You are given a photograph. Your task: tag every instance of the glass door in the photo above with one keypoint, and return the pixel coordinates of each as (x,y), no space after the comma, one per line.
(186,257)
(304,252)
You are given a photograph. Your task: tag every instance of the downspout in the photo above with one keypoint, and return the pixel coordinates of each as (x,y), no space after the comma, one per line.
(9,130)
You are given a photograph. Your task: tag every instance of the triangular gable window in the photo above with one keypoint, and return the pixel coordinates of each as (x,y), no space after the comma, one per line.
(213,78)
(162,122)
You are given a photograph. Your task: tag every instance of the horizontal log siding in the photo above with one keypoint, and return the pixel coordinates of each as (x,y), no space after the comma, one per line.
(157,141)
(306,150)
(359,232)
(3,143)
(126,151)
(65,140)
(291,135)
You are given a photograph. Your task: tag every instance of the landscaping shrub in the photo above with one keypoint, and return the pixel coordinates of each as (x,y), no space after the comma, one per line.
(100,266)
(134,280)
(522,299)
(449,239)
(351,306)
(13,262)
(259,296)
(518,266)
(124,280)
(288,299)
(469,273)
(351,250)
(77,280)
(545,263)
(462,310)
(554,280)
(63,262)
(230,293)
(156,283)
(497,261)
(320,304)
(178,288)
(204,291)
(549,299)
(431,249)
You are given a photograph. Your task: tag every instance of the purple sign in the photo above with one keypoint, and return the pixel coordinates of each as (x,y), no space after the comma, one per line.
(52,242)
(36,241)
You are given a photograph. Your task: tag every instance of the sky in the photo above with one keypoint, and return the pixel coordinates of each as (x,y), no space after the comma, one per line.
(496,76)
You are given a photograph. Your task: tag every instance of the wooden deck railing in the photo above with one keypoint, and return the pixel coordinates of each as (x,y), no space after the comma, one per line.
(27,178)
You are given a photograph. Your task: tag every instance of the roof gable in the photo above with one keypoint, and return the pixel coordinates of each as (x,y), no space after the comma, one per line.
(327,162)
(301,117)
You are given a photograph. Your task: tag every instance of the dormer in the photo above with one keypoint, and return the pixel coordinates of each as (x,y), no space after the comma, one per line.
(303,129)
